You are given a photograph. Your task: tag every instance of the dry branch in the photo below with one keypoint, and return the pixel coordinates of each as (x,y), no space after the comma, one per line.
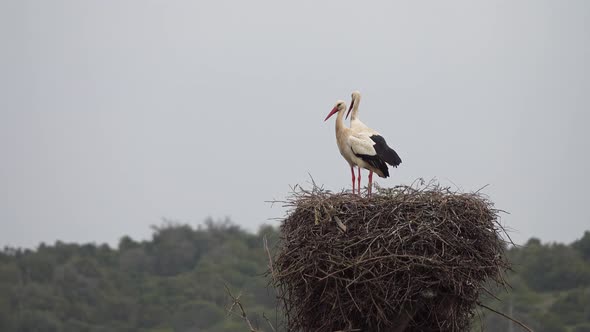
(242,314)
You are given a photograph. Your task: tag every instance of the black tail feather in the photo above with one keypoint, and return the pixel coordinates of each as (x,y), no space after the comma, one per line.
(376,162)
(386,153)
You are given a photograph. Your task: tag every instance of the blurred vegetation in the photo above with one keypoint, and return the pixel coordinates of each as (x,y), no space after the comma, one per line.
(175,282)
(550,288)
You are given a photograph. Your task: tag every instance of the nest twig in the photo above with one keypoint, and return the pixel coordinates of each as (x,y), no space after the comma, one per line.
(407,259)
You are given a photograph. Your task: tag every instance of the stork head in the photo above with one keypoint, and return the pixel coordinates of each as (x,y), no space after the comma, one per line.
(340,106)
(356,99)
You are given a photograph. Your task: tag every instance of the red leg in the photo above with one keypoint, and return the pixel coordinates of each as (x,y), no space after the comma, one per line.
(352,171)
(370,182)
(359,179)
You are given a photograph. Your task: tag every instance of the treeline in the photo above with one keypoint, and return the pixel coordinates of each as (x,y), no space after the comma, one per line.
(175,282)
(550,288)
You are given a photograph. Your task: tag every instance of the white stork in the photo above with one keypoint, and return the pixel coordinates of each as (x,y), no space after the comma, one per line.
(386,153)
(360,149)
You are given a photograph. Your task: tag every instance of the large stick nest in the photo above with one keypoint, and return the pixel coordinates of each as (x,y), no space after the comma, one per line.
(406,259)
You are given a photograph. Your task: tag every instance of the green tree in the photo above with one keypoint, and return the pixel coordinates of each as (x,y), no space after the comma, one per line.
(583,246)
(194,316)
(553,267)
(38,321)
(582,328)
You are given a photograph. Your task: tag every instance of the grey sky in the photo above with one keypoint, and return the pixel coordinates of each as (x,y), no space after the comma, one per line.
(114,114)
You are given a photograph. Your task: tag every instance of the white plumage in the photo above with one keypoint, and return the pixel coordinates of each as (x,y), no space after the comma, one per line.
(356,123)
(359,148)
(379,147)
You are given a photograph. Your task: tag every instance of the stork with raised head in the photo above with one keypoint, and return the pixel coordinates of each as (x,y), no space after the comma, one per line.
(358,148)
(387,154)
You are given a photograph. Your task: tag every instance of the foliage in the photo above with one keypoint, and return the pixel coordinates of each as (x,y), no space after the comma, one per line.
(174,282)
(583,246)
(550,288)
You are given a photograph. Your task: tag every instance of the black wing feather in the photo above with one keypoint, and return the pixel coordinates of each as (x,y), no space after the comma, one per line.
(385,152)
(374,161)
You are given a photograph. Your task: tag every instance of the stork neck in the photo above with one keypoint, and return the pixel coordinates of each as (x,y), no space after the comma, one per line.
(355,108)
(340,121)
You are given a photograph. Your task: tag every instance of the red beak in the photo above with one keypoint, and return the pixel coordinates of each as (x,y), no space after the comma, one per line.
(349,109)
(334,111)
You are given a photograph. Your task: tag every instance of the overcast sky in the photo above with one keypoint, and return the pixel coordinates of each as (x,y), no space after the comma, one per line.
(115,114)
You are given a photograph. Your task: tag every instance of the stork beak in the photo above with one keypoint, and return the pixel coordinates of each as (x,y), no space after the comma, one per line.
(334,111)
(349,109)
